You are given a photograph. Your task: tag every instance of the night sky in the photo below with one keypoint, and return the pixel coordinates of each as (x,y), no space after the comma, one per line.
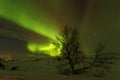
(31,25)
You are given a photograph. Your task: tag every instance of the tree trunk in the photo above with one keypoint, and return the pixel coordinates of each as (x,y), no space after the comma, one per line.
(71,65)
(73,69)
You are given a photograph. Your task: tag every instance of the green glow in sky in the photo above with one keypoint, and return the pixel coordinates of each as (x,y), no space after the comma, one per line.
(50,49)
(23,17)
(97,21)
(20,13)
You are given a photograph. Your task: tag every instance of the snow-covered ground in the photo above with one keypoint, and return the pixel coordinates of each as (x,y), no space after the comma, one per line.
(43,69)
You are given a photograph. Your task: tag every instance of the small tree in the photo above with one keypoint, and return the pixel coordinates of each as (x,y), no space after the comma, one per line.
(71,54)
(102,61)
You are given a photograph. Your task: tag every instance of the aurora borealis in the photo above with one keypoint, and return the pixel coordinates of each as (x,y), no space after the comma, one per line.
(20,13)
(98,21)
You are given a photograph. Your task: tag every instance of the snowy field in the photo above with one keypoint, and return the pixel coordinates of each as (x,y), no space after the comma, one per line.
(44,69)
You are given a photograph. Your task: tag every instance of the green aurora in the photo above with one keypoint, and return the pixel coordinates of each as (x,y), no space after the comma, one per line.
(97,20)
(19,12)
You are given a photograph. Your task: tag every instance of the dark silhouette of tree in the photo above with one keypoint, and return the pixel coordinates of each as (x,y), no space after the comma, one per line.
(103,61)
(71,53)
(71,59)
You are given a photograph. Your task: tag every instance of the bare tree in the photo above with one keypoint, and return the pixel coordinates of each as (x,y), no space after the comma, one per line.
(103,61)
(71,59)
(71,53)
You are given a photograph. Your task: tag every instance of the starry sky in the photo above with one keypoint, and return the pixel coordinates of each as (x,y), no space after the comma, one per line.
(31,25)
